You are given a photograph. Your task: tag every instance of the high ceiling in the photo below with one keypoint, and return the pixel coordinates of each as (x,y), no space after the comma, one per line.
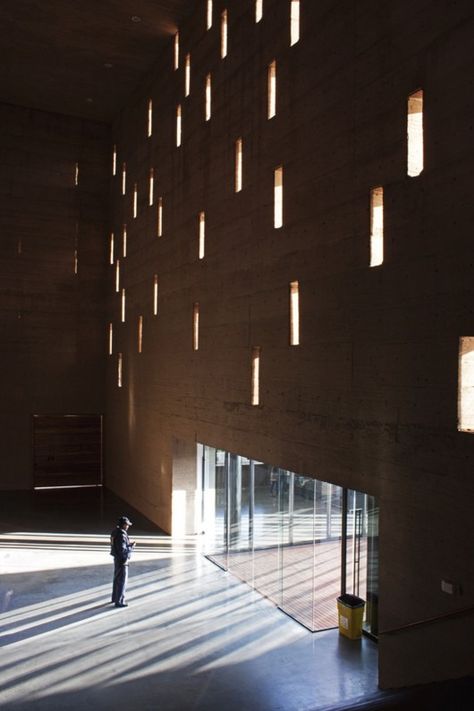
(82,57)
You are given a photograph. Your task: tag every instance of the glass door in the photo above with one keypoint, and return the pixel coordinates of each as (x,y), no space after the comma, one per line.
(360,550)
(239,516)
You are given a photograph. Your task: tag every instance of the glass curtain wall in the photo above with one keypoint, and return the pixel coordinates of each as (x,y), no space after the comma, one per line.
(283,534)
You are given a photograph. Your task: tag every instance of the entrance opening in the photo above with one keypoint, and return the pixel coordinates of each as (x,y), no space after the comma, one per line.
(297,540)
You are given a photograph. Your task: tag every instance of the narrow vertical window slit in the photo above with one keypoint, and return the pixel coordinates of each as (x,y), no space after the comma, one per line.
(159,225)
(224,34)
(119,370)
(151,186)
(176,51)
(271,90)
(111,255)
(294,21)
(150,118)
(196,326)
(202,234)
(278,197)
(124,241)
(135,200)
(187,75)
(155,294)
(376,227)
(255,376)
(178,125)
(466,384)
(124,178)
(294,313)
(238,165)
(415,134)
(209,15)
(140,334)
(208,98)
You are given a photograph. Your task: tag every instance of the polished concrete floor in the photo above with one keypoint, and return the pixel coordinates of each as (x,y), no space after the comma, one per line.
(193,637)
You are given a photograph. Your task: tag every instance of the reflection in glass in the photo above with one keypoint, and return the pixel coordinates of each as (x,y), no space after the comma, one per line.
(283,534)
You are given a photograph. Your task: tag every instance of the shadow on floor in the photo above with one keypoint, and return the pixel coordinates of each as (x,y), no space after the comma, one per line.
(91,510)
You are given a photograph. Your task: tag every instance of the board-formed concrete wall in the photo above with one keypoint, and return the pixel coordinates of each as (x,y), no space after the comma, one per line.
(51,318)
(368,400)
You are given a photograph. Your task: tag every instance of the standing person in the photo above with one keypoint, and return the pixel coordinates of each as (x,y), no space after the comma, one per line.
(273,481)
(120,548)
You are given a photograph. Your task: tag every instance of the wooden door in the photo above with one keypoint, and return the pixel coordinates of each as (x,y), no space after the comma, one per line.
(67,450)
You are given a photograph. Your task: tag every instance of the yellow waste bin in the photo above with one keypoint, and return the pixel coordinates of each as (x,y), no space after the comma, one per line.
(350,610)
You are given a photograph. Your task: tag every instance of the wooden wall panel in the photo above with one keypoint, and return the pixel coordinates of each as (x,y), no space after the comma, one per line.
(67,450)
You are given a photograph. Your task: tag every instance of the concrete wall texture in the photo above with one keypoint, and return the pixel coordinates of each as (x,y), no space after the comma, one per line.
(51,318)
(368,400)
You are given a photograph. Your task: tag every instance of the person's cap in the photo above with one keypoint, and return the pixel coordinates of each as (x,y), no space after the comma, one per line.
(124,519)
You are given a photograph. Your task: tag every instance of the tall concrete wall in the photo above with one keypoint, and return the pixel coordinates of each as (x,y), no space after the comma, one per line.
(368,400)
(51,319)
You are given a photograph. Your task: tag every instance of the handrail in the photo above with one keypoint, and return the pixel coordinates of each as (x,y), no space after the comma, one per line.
(428,621)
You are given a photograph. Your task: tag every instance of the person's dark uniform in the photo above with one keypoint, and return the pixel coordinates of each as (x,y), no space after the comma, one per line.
(120,548)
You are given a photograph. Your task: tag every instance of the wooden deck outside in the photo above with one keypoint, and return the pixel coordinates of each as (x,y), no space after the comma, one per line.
(303,579)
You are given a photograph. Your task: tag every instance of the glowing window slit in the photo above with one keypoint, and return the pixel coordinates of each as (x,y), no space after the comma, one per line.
(376,227)
(187,75)
(140,334)
(178,125)
(255,376)
(224,34)
(294,313)
(466,384)
(294,22)
(155,294)
(150,118)
(119,370)
(238,166)
(196,326)
(124,178)
(209,15)
(151,186)
(271,90)
(278,197)
(160,217)
(415,148)
(202,234)
(124,241)
(208,98)
(135,200)
(176,51)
